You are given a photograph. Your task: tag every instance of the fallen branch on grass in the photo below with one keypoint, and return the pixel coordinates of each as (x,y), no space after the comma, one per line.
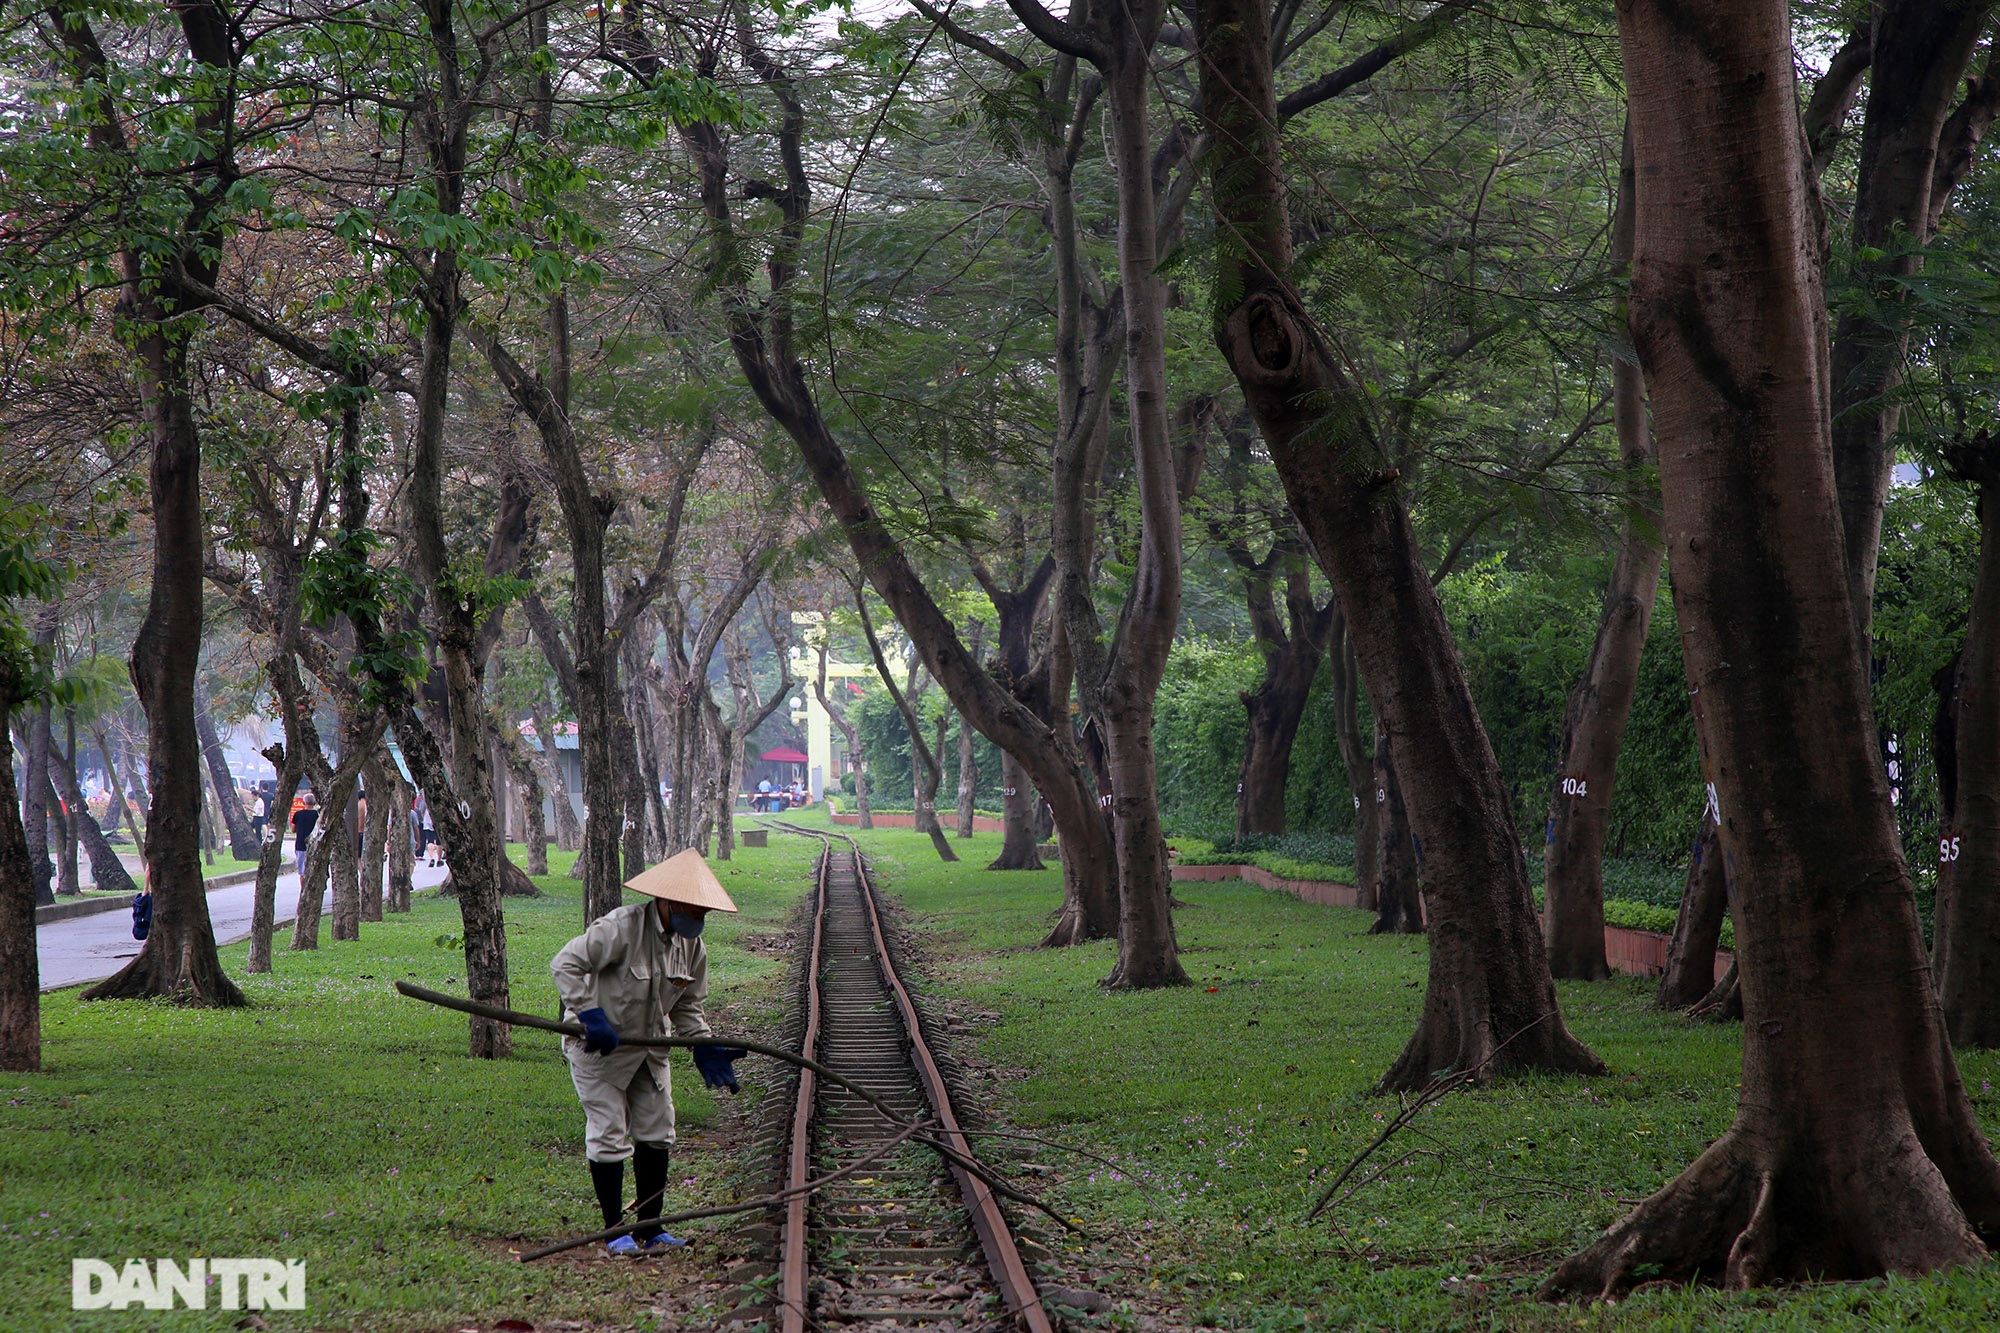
(1429,1095)
(972,1165)
(747,1206)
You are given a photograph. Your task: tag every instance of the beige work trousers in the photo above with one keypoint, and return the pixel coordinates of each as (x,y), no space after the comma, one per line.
(627,1098)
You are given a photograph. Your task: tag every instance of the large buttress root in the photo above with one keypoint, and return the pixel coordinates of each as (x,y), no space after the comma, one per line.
(1764,1206)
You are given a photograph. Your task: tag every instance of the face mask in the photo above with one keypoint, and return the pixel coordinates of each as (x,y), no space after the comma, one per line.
(685,923)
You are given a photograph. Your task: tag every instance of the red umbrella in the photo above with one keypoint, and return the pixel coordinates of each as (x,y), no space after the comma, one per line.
(784,754)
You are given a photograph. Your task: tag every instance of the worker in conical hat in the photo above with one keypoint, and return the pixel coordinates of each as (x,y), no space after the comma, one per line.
(640,971)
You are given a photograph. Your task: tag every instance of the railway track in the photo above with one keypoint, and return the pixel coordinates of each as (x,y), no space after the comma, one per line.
(906,1241)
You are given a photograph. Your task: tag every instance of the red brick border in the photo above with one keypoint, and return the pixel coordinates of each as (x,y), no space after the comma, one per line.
(1642,953)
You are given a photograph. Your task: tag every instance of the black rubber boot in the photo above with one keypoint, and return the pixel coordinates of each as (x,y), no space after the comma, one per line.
(649,1180)
(609,1180)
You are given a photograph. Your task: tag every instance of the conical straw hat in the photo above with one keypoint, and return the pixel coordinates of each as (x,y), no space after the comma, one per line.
(683,878)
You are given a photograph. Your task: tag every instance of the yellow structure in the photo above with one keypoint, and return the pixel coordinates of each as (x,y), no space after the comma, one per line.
(819,727)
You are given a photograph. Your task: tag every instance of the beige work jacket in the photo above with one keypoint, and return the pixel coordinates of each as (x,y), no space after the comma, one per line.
(648,981)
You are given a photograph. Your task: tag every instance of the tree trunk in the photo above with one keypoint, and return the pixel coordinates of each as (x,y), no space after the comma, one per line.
(329,835)
(925,769)
(761,335)
(852,735)
(1966,955)
(106,870)
(20,1004)
(34,806)
(402,840)
(968,781)
(569,836)
(345,871)
(1147,951)
(242,839)
(1399,903)
(1490,1003)
(20,964)
(1019,848)
(1274,712)
(178,957)
(1291,646)
(1689,974)
(1355,758)
(375,835)
(209,837)
(68,885)
(1920,52)
(1855,1151)
(731,747)
(534,830)
(290,768)
(120,808)
(1594,720)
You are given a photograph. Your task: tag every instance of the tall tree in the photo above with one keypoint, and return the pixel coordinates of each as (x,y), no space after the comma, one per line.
(242,842)
(1915,148)
(1854,1151)
(1594,719)
(23,680)
(926,763)
(1966,949)
(1490,1002)
(157,270)
(764,337)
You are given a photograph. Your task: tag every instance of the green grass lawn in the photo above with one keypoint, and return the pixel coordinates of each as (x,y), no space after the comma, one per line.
(1230,1103)
(336,1122)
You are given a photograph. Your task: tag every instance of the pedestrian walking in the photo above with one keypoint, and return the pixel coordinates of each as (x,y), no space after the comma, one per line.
(304,820)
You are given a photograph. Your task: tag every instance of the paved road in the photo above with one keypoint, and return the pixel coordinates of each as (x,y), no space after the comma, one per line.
(90,948)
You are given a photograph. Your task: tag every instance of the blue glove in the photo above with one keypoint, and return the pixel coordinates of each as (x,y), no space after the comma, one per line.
(142,915)
(598,1034)
(716,1065)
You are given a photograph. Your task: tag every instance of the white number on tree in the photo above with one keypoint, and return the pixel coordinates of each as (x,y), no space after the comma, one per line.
(1576,786)
(1947,850)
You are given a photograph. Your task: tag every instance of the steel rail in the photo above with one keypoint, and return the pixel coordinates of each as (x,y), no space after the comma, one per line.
(982,1206)
(794,1237)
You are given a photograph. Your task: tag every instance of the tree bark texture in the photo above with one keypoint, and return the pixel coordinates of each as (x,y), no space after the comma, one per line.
(34,807)
(569,834)
(68,883)
(285,761)
(1966,953)
(968,781)
(1292,649)
(375,835)
(402,841)
(20,965)
(1399,900)
(242,839)
(1013,664)
(1355,758)
(534,826)
(106,870)
(178,958)
(1147,951)
(1854,1151)
(1490,1003)
(1920,52)
(1594,718)
(1689,974)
